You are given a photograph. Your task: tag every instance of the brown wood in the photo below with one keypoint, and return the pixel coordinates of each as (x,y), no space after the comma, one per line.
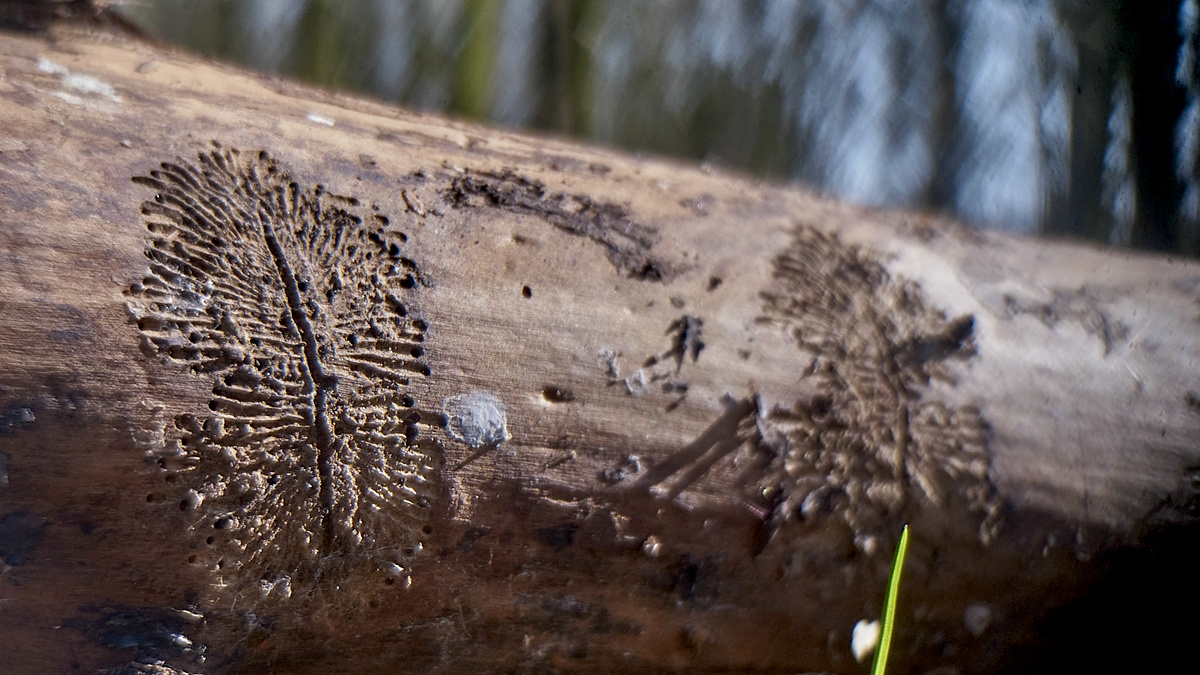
(295,382)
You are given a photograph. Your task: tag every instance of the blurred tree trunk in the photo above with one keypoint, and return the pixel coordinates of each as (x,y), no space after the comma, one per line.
(329,385)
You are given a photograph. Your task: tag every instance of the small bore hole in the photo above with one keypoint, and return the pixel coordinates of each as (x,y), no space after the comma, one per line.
(558,394)
(527,291)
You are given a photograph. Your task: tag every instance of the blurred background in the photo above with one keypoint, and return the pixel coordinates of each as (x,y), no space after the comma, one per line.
(1075,118)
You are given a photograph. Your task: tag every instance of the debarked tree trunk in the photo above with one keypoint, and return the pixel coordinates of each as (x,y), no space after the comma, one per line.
(296,382)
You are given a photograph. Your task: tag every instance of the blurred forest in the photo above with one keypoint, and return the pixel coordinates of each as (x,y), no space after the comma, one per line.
(1076,118)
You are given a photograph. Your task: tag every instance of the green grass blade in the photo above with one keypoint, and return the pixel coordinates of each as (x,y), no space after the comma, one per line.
(889,606)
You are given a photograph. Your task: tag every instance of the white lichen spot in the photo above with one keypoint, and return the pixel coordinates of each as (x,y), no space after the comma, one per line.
(977,618)
(45,65)
(476,418)
(86,84)
(864,639)
(320,119)
(83,84)
(3,470)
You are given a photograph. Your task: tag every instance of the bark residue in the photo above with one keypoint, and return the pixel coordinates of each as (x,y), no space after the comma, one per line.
(627,242)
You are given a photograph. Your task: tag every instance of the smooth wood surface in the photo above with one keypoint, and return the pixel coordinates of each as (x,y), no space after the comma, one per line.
(294,382)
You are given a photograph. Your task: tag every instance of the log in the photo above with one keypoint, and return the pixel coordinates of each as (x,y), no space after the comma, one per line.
(297,382)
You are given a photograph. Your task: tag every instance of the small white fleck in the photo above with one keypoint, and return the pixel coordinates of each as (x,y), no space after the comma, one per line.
(864,639)
(396,571)
(86,84)
(180,640)
(635,384)
(281,586)
(189,616)
(867,543)
(652,546)
(192,499)
(320,119)
(45,65)
(477,419)
(607,360)
(977,618)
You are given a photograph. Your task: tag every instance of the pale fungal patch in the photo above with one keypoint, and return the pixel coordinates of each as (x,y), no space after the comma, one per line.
(45,65)
(83,84)
(477,419)
(86,84)
(864,639)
